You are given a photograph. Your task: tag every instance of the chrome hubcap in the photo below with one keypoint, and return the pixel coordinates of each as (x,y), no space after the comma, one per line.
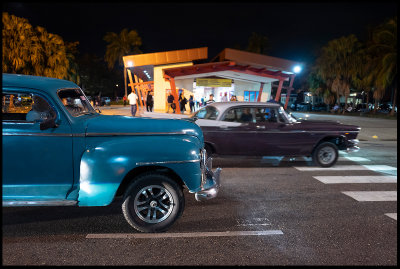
(153,204)
(326,155)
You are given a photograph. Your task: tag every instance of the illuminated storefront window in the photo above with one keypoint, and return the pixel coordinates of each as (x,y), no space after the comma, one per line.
(250,96)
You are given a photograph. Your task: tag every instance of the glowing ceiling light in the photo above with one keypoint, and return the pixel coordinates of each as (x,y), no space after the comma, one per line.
(130,63)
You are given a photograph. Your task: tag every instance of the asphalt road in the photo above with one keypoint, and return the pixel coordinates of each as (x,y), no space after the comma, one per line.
(270,211)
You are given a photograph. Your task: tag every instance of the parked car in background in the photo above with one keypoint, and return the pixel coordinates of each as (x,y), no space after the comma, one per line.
(60,152)
(304,107)
(385,108)
(363,107)
(105,101)
(319,107)
(265,129)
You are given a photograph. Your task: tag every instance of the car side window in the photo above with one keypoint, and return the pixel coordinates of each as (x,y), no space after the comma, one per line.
(208,113)
(267,114)
(239,114)
(25,107)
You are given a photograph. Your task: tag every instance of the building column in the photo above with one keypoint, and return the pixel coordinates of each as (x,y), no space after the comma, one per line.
(175,94)
(289,91)
(133,88)
(278,93)
(260,92)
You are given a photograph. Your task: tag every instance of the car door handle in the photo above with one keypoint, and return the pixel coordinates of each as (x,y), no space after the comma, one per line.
(260,127)
(223,126)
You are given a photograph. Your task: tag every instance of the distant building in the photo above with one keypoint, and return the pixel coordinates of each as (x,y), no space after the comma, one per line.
(246,75)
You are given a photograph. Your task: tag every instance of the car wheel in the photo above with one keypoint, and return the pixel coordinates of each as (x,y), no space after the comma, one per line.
(325,154)
(153,202)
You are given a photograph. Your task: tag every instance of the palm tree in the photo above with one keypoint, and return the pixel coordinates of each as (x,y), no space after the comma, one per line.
(32,51)
(363,78)
(55,60)
(18,47)
(125,43)
(338,63)
(383,48)
(321,87)
(73,68)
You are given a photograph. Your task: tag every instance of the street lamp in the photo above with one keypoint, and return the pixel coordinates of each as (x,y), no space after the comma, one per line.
(297,69)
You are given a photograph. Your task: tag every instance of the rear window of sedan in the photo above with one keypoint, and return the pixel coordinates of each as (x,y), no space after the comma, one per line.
(208,113)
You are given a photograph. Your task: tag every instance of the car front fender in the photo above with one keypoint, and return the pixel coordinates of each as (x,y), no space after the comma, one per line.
(105,163)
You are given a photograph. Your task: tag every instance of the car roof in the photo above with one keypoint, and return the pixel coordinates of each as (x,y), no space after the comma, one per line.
(224,105)
(50,85)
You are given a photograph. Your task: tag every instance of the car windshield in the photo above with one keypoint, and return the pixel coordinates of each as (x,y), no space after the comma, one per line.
(76,102)
(288,115)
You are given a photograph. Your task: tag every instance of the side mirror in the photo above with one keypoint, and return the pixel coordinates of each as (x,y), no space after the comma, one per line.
(49,123)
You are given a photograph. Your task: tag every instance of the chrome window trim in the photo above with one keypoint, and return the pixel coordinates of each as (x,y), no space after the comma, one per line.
(18,122)
(135,134)
(93,134)
(35,134)
(12,203)
(167,162)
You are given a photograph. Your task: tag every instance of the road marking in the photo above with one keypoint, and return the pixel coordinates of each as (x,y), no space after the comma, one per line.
(356,179)
(392,215)
(372,196)
(347,167)
(355,159)
(184,235)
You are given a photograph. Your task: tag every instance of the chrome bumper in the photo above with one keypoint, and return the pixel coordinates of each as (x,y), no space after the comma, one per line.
(352,145)
(210,181)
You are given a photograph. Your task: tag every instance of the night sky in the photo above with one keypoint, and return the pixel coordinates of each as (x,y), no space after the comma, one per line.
(295,29)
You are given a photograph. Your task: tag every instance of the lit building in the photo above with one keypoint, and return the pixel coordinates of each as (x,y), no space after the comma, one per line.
(246,75)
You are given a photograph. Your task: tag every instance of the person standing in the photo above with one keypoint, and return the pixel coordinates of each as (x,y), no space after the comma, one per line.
(170,101)
(149,102)
(182,103)
(224,98)
(124,100)
(211,100)
(132,97)
(191,104)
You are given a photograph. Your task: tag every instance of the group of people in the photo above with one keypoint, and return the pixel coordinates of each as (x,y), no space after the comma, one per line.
(133,99)
(182,101)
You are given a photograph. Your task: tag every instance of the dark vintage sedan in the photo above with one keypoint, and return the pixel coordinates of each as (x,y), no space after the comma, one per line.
(265,129)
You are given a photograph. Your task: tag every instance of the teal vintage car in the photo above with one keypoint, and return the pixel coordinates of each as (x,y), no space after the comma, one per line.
(59,151)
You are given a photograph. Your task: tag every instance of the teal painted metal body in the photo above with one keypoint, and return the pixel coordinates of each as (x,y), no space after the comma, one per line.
(84,159)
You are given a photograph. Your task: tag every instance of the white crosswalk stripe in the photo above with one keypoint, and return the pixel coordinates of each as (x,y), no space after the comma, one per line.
(354,159)
(347,168)
(392,215)
(372,196)
(356,179)
(360,196)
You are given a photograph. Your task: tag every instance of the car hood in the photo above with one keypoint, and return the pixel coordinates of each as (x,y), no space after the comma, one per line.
(327,125)
(124,125)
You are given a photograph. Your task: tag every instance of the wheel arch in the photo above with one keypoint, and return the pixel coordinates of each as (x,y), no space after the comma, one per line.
(338,140)
(137,171)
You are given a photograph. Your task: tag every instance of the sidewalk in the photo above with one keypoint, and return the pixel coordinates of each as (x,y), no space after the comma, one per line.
(372,129)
